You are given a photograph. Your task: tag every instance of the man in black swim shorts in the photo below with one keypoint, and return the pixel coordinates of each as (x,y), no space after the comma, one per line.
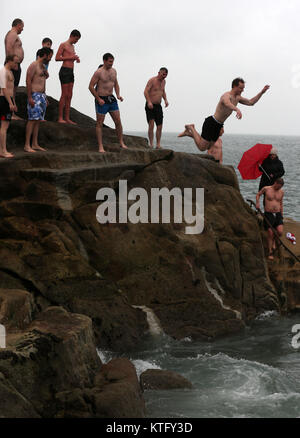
(228,103)
(66,54)
(154,92)
(273,212)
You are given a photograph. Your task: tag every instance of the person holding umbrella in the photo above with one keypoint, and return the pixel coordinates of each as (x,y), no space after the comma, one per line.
(272,169)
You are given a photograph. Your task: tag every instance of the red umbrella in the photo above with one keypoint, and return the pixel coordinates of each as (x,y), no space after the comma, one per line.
(250,164)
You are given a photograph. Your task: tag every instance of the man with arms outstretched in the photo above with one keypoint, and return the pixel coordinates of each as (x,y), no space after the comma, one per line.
(66,54)
(102,84)
(7,101)
(213,124)
(273,211)
(154,92)
(13,46)
(37,100)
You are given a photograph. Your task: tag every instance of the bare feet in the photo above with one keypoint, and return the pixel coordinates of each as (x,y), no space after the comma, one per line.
(15,117)
(28,149)
(6,155)
(70,121)
(39,148)
(158,147)
(271,257)
(101,150)
(123,146)
(187,131)
(61,121)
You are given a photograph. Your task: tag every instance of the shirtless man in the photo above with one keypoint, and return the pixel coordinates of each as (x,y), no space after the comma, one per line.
(37,100)
(154,92)
(13,46)
(102,84)
(213,124)
(273,211)
(66,54)
(7,101)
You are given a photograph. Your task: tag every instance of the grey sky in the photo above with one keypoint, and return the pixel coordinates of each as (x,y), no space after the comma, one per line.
(204,45)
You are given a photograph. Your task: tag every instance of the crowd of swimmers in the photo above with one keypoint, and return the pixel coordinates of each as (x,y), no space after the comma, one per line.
(102,85)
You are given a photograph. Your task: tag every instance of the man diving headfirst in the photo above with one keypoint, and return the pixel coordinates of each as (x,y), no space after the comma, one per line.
(228,103)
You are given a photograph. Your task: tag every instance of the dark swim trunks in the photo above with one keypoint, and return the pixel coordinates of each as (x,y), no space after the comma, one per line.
(155,114)
(275,220)
(109,106)
(66,75)
(5,112)
(17,75)
(211,129)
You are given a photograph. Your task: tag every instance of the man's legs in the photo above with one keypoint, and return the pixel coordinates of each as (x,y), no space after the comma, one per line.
(100,120)
(29,130)
(115,115)
(190,131)
(3,133)
(65,103)
(35,133)
(151,132)
(158,136)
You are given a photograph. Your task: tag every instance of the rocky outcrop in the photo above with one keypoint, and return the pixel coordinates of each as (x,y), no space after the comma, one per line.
(65,278)
(163,380)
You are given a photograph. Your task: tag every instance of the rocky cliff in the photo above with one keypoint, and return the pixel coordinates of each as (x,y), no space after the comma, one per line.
(69,283)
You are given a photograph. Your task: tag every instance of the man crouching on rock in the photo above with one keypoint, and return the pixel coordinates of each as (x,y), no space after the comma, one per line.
(273,212)
(37,100)
(105,80)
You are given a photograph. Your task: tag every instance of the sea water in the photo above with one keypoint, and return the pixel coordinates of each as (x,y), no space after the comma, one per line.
(253,374)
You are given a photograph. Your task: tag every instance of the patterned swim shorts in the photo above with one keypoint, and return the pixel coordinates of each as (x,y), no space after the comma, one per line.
(39,109)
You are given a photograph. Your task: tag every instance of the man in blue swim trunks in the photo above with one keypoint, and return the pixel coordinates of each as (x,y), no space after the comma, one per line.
(102,84)
(37,100)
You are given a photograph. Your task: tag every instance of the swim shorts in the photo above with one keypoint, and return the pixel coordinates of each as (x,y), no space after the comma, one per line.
(155,114)
(211,129)
(17,75)
(275,220)
(110,105)
(66,75)
(5,112)
(40,106)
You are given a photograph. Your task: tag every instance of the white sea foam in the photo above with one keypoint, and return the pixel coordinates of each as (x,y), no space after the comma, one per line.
(144,365)
(266,315)
(153,322)
(105,356)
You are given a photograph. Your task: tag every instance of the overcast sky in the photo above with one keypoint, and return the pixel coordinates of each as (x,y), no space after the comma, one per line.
(204,45)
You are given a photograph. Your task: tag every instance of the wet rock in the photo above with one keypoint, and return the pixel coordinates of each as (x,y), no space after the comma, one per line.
(163,380)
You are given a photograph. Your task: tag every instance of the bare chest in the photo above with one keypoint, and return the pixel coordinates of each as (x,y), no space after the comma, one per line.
(68,50)
(272,195)
(107,77)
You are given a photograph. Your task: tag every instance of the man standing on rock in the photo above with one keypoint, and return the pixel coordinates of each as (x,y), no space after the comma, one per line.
(13,46)
(37,100)
(7,101)
(102,84)
(66,54)
(273,211)
(227,104)
(154,92)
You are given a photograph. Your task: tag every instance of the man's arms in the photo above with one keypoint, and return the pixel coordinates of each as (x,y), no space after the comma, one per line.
(147,93)
(29,78)
(117,89)
(93,83)
(251,102)
(59,55)
(165,98)
(259,194)
(10,41)
(225,99)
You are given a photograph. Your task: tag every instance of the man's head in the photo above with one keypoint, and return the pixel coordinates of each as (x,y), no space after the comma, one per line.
(47,42)
(18,25)
(279,183)
(12,62)
(163,73)
(273,154)
(238,86)
(108,60)
(75,36)
(49,52)
(43,53)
